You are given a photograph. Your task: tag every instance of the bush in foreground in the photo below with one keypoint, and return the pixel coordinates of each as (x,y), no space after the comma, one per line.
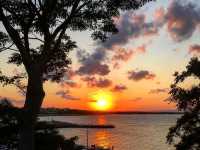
(46,139)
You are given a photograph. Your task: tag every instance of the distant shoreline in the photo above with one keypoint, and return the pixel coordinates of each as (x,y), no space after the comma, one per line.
(110,113)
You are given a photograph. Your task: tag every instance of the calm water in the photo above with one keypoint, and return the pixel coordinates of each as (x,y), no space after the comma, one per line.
(132,132)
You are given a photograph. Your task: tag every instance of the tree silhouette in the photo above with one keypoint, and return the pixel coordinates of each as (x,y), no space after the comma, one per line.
(8,124)
(45,23)
(187,127)
(45,138)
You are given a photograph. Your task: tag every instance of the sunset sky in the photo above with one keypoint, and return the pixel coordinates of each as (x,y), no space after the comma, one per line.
(133,69)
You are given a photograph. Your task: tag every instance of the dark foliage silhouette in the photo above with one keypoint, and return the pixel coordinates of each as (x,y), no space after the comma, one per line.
(45,23)
(45,139)
(187,127)
(8,124)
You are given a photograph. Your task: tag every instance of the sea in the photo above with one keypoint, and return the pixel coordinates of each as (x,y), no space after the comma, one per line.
(131,132)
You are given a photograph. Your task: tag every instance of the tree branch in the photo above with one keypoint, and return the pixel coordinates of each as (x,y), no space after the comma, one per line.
(32,6)
(8,48)
(65,23)
(15,38)
(35,38)
(62,28)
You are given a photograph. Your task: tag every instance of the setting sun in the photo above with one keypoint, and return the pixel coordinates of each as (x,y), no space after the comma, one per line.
(102,100)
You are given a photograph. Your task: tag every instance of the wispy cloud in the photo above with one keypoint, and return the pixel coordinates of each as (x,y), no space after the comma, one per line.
(119,88)
(159,90)
(194,49)
(66,95)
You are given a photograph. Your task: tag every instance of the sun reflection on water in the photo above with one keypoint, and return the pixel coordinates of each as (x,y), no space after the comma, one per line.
(101,120)
(102,139)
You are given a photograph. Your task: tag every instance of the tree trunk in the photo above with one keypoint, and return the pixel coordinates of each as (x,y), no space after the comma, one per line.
(34,98)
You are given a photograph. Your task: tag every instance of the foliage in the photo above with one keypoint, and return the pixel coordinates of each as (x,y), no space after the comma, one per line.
(8,124)
(187,127)
(46,139)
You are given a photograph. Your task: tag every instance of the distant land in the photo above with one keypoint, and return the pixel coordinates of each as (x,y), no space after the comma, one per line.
(68,111)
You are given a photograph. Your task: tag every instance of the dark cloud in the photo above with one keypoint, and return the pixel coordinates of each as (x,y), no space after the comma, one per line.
(101,82)
(139,75)
(119,88)
(159,90)
(66,95)
(130,26)
(122,54)
(182,20)
(95,68)
(125,54)
(92,64)
(98,55)
(194,49)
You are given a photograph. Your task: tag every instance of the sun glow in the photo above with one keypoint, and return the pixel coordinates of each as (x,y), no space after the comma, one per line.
(102,101)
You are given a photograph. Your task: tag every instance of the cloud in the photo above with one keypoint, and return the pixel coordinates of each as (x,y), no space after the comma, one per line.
(159,90)
(70,83)
(65,95)
(122,54)
(194,49)
(125,54)
(139,75)
(182,20)
(101,82)
(70,74)
(95,68)
(68,79)
(130,26)
(159,16)
(141,49)
(92,64)
(119,88)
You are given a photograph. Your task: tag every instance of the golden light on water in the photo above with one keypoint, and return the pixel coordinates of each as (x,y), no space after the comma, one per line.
(102,139)
(102,100)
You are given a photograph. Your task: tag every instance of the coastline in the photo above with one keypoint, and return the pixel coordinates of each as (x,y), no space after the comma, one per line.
(107,113)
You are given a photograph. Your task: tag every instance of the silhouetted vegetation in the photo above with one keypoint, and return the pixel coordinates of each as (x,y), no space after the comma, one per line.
(46,22)
(45,139)
(185,135)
